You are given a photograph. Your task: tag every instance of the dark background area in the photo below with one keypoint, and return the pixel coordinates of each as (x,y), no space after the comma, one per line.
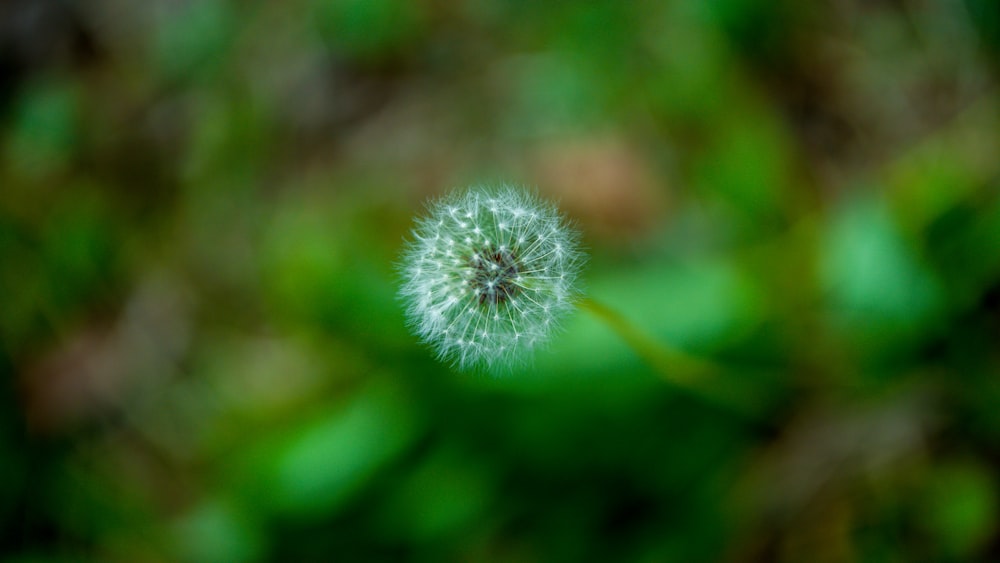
(202,353)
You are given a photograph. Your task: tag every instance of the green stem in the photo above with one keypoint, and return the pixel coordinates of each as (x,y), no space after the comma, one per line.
(681,370)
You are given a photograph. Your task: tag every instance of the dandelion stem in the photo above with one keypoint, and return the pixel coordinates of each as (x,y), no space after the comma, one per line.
(694,375)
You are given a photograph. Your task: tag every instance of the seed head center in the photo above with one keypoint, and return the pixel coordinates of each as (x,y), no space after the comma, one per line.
(493,275)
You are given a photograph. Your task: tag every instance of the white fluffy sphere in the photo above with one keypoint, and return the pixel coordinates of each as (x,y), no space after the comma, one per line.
(488,275)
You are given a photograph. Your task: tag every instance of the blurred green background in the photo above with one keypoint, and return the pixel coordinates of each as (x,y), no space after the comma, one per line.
(203,358)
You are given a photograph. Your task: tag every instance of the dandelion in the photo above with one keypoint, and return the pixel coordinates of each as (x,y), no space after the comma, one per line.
(489,274)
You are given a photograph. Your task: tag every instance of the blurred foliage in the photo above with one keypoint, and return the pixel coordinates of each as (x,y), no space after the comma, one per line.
(204,359)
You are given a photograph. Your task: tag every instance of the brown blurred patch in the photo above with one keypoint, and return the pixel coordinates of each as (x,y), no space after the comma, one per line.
(74,382)
(97,368)
(605,184)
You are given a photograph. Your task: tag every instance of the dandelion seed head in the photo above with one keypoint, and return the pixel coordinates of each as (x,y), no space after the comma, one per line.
(509,277)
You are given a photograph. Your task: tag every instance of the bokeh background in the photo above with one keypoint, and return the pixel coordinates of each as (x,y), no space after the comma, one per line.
(203,358)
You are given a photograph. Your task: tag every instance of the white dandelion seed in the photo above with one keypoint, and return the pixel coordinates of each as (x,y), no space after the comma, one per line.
(521,266)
